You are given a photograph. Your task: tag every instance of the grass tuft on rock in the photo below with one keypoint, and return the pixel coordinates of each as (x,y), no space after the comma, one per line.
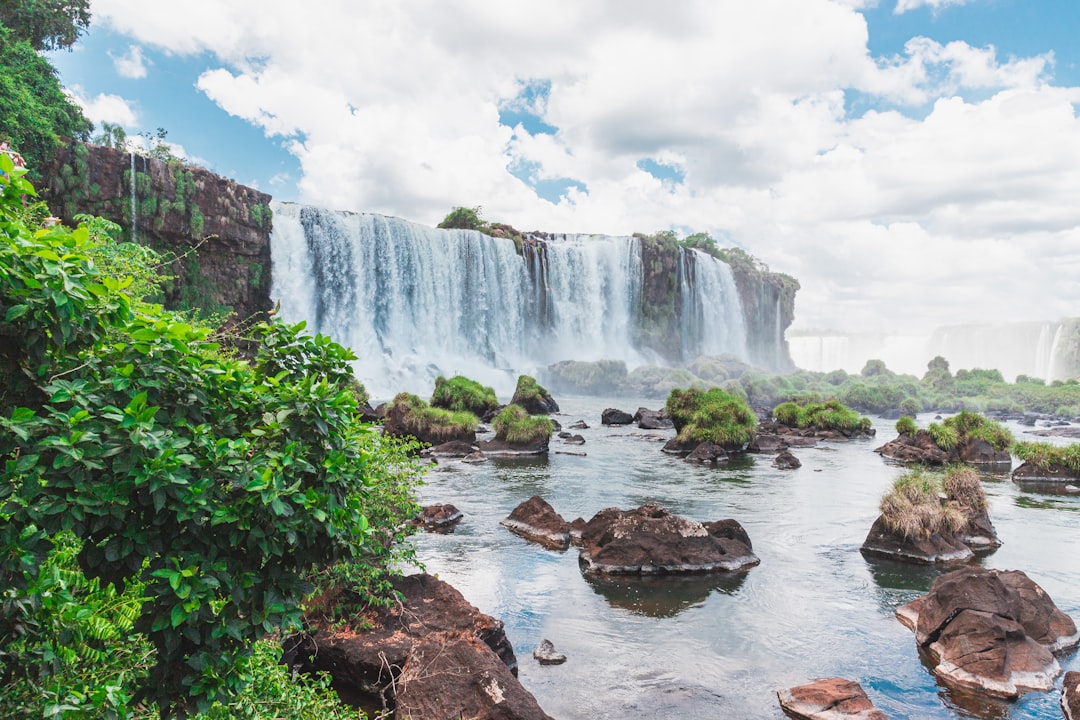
(1045,456)
(906,426)
(514,425)
(459,393)
(830,415)
(711,416)
(967,425)
(423,420)
(923,503)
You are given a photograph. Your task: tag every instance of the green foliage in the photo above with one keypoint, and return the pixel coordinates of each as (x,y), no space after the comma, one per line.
(913,507)
(701,241)
(422,420)
(944,436)
(973,425)
(461,393)
(215,485)
(196,222)
(38,117)
(829,415)
(906,426)
(713,416)
(262,216)
(529,391)
(874,368)
(515,425)
(46,24)
(463,218)
(1045,456)
(910,406)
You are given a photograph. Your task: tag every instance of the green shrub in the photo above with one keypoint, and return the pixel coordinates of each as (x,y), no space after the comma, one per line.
(460,393)
(973,425)
(910,406)
(711,416)
(944,436)
(787,414)
(514,425)
(906,426)
(1045,456)
(829,415)
(463,218)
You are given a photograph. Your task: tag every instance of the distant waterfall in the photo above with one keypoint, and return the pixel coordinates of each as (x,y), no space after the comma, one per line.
(414,302)
(134,204)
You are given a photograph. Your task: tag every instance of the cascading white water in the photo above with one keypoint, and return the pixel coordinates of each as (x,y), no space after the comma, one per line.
(134,205)
(415,302)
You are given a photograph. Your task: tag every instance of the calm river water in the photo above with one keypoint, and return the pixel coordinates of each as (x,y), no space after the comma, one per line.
(720,647)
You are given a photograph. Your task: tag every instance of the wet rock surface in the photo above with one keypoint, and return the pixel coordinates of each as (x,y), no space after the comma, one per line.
(441,518)
(829,699)
(989,630)
(1070,696)
(536,521)
(650,540)
(546,654)
(921,448)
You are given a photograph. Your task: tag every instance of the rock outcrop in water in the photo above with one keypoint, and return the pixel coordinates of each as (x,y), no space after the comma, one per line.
(218,230)
(829,699)
(649,540)
(432,656)
(990,630)
(536,521)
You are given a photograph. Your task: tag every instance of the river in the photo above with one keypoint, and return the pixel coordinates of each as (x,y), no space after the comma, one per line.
(721,646)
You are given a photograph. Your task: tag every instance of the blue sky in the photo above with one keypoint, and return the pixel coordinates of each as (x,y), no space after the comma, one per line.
(912,162)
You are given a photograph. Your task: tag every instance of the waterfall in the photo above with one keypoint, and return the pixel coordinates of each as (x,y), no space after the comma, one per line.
(414,302)
(134,204)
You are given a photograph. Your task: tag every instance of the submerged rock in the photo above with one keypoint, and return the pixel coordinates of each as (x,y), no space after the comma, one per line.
(829,699)
(650,540)
(990,630)
(452,449)
(536,521)
(545,653)
(613,416)
(708,453)
(1030,473)
(438,518)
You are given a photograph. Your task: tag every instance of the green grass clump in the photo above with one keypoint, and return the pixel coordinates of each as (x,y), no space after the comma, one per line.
(515,425)
(830,415)
(965,425)
(423,420)
(528,390)
(711,416)
(914,507)
(460,393)
(906,426)
(1045,456)
(944,436)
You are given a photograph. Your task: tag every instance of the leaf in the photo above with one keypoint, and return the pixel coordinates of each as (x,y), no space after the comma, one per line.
(16,311)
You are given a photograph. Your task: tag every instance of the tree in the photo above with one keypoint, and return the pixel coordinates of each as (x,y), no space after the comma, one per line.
(46,24)
(37,118)
(113,136)
(463,218)
(219,485)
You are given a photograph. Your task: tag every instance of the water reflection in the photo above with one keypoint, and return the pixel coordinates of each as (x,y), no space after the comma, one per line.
(663,596)
(1068,491)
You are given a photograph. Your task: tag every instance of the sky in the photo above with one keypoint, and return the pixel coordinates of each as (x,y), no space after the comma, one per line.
(913,163)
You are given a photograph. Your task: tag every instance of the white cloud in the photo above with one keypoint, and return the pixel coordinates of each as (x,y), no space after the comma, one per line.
(105,108)
(902,6)
(132,65)
(949,201)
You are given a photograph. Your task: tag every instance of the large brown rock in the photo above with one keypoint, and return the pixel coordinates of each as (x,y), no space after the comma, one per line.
(1053,475)
(921,448)
(1070,696)
(537,521)
(990,630)
(829,699)
(936,548)
(650,540)
(366,666)
(451,675)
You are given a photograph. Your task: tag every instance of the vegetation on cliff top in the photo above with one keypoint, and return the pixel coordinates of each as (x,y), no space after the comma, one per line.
(160,494)
(711,416)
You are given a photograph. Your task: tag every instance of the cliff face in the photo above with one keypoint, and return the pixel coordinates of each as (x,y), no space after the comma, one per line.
(217,231)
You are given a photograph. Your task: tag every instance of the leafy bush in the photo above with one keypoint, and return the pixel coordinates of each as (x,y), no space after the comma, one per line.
(463,218)
(515,425)
(711,416)
(906,426)
(459,393)
(214,484)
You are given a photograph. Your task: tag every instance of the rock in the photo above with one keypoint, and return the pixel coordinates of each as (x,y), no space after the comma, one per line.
(399,422)
(921,448)
(367,666)
(454,675)
(1070,696)
(680,449)
(650,540)
(439,518)
(536,521)
(612,416)
(496,447)
(708,453)
(829,699)
(990,630)
(369,414)
(535,399)
(573,439)
(935,548)
(545,653)
(579,425)
(452,449)
(1029,473)
(577,526)
(652,419)
(980,452)
(475,458)
(787,461)
(767,443)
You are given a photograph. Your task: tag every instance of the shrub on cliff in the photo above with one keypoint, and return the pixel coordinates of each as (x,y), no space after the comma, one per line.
(514,425)
(131,441)
(711,416)
(459,393)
